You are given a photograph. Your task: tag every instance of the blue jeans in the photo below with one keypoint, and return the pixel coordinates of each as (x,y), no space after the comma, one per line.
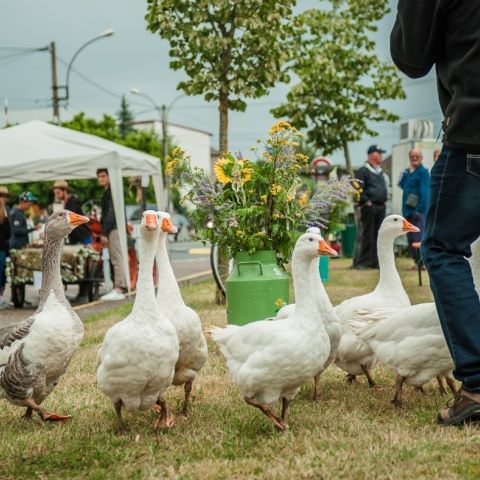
(452,225)
(3,257)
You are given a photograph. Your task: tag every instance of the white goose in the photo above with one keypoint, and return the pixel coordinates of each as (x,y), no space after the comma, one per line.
(35,355)
(193,345)
(270,360)
(136,361)
(354,356)
(411,343)
(332,323)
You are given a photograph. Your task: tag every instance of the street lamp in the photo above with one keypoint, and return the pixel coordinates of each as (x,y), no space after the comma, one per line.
(106,33)
(163,112)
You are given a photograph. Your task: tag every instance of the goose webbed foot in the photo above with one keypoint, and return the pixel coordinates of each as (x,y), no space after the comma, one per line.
(166,418)
(121,427)
(188,390)
(266,410)
(44,414)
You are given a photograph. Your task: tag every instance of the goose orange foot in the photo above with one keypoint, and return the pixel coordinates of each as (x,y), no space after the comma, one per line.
(166,418)
(54,417)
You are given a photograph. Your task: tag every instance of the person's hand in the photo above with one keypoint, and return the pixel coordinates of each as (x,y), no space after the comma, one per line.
(103,240)
(37,226)
(368,203)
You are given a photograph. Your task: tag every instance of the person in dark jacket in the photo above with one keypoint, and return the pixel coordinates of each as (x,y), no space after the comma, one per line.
(18,221)
(372,208)
(415,183)
(65,200)
(446,34)
(111,237)
(4,241)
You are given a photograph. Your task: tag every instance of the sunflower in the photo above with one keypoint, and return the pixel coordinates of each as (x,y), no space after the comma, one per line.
(220,173)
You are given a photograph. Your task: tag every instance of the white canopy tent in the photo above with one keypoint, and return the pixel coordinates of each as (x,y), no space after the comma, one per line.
(38,151)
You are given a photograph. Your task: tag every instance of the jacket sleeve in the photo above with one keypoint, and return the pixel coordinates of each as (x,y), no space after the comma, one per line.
(415,40)
(424,191)
(401,182)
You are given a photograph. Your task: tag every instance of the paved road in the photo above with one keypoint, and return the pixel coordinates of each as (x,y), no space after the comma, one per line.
(185,264)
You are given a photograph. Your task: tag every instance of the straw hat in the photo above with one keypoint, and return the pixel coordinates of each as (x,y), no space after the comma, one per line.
(61,184)
(4,192)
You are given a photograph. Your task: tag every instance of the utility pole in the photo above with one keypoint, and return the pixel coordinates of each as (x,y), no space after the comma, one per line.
(55,99)
(166,180)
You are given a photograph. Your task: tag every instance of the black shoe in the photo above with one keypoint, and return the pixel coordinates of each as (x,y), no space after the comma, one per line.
(461,410)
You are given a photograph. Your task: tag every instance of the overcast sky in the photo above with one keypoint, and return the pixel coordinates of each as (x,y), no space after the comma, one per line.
(135,57)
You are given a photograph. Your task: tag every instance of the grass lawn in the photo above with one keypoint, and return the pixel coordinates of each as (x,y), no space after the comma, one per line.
(352,433)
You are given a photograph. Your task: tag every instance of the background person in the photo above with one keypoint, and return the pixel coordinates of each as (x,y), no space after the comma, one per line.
(372,208)
(18,221)
(446,34)
(4,241)
(110,236)
(65,200)
(415,183)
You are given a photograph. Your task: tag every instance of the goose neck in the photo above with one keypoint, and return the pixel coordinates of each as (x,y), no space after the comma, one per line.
(51,275)
(168,290)
(301,270)
(389,277)
(324,305)
(145,288)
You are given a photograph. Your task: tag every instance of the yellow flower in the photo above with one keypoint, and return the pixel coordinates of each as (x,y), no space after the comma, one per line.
(280,302)
(290,197)
(280,126)
(170,166)
(247,174)
(275,189)
(263,198)
(303,200)
(219,169)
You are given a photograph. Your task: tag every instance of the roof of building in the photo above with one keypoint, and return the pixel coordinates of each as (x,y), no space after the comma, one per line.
(145,122)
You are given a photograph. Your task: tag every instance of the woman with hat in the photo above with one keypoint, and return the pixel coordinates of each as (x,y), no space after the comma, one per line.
(4,241)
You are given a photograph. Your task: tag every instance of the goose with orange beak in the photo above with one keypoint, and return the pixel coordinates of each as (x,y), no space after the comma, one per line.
(35,354)
(270,360)
(354,356)
(325,311)
(193,345)
(136,361)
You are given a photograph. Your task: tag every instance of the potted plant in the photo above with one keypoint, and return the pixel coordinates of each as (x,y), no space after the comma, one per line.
(254,210)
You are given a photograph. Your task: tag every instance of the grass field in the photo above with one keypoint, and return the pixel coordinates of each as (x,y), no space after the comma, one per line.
(352,433)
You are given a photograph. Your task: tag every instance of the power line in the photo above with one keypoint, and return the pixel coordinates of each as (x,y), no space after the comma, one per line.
(98,85)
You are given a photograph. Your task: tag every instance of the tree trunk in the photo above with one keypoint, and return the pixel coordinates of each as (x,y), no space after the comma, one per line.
(222,148)
(348,161)
(223,108)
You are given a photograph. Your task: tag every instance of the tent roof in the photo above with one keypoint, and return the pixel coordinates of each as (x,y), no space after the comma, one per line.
(38,151)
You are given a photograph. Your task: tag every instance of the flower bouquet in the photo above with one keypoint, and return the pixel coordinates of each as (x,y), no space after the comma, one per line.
(253,205)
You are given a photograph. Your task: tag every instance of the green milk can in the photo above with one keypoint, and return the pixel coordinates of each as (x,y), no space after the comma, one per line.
(257,287)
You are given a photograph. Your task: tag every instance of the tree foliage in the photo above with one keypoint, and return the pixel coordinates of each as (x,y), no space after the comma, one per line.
(230,50)
(125,118)
(342,83)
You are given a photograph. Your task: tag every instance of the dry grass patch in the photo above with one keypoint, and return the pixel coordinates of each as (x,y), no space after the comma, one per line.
(351,433)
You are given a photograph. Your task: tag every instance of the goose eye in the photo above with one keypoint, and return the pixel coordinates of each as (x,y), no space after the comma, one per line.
(310,239)
(396,219)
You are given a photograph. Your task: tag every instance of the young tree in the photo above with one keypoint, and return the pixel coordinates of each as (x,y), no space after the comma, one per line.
(230,50)
(342,81)
(125,118)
